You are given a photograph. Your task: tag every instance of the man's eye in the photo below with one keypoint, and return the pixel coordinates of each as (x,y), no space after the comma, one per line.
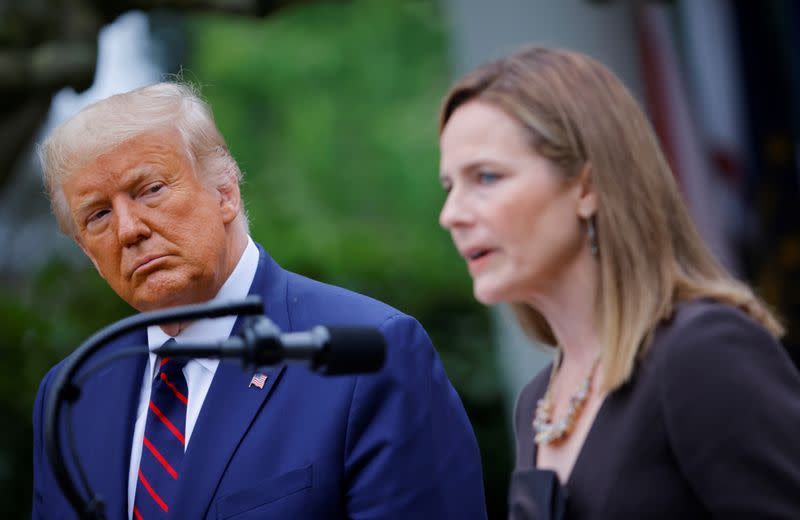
(97,215)
(152,189)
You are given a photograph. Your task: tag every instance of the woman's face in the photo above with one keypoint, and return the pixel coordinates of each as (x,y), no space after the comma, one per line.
(512,214)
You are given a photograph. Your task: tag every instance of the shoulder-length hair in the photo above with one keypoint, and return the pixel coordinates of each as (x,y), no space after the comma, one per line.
(651,256)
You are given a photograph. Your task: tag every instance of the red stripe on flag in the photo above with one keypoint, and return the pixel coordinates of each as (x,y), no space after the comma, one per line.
(167,422)
(161,459)
(177,392)
(152,492)
(137,514)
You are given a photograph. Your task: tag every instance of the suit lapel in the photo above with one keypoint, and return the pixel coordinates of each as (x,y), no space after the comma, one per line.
(107,416)
(227,413)
(230,406)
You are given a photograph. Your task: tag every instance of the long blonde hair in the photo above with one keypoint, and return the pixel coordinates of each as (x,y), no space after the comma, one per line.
(651,256)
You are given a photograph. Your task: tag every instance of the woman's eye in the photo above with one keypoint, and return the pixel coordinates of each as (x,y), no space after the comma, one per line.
(488,177)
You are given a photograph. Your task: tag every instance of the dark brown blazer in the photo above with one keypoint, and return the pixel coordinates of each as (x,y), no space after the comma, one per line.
(708,427)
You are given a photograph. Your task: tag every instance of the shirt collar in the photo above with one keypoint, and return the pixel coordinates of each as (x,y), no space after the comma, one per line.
(236,287)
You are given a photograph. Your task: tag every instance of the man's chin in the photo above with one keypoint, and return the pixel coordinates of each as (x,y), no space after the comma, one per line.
(166,288)
(151,300)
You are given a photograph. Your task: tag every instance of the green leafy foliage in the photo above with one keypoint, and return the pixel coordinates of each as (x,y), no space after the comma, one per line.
(41,323)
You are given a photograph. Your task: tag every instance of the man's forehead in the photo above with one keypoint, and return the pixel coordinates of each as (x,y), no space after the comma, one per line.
(137,152)
(99,177)
(125,165)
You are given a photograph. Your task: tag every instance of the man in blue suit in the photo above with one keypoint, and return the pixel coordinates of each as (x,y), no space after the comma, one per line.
(145,185)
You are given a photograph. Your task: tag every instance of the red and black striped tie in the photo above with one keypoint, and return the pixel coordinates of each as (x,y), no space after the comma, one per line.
(164,444)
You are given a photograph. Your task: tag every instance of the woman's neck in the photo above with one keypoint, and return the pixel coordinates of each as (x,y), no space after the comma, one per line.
(569,308)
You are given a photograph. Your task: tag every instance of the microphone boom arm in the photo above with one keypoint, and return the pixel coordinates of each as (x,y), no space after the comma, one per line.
(63,389)
(329,351)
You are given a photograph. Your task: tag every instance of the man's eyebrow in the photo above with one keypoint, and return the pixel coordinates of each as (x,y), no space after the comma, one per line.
(87,203)
(129,179)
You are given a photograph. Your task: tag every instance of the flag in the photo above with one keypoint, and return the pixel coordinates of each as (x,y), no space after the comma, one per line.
(676,125)
(258,380)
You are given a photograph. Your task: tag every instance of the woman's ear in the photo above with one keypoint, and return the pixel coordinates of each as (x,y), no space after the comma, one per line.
(587,197)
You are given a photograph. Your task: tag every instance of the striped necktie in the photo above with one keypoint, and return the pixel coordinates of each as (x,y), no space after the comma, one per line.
(164,444)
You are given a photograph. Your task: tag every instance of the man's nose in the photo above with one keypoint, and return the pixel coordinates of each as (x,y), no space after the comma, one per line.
(131,228)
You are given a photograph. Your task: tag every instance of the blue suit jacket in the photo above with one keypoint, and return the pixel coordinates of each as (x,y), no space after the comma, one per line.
(395,444)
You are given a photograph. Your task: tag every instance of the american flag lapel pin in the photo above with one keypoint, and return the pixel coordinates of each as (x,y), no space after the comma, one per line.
(258,380)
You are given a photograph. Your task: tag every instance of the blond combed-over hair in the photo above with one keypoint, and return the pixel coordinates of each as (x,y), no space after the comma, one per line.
(577,113)
(107,123)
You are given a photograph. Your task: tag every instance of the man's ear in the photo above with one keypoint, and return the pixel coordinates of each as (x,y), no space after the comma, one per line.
(230,200)
(587,197)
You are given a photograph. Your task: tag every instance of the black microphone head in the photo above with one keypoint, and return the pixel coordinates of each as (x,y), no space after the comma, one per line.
(351,350)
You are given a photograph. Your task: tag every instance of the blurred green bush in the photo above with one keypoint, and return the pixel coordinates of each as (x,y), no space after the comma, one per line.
(41,322)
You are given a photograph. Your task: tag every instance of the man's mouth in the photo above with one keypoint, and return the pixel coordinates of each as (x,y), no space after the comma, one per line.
(146,263)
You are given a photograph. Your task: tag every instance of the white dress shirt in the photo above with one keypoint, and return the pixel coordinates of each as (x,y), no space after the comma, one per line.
(198,372)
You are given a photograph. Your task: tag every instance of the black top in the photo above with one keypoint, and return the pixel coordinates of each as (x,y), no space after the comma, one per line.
(708,426)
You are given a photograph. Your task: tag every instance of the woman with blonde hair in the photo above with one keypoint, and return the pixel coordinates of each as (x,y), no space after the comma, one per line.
(670,395)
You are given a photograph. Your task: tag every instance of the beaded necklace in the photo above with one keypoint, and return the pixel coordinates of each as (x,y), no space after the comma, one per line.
(548,431)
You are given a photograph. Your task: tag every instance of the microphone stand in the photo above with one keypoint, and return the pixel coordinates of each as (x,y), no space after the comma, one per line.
(64,390)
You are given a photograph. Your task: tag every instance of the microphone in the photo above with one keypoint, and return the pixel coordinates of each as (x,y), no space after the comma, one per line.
(328,350)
